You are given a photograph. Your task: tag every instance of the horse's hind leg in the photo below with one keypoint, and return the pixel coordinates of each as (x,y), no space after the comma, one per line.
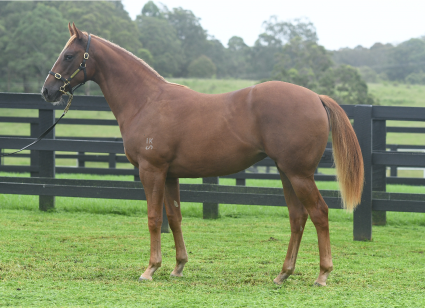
(307,192)
(298,216)
(172,207)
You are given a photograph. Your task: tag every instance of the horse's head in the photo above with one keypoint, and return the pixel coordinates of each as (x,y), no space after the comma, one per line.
(65,73)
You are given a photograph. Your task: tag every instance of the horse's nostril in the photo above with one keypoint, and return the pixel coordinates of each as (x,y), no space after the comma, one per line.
(45,92)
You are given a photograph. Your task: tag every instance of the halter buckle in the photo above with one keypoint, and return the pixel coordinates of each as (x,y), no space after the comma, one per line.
(86,55)
(58,76)
(62,88)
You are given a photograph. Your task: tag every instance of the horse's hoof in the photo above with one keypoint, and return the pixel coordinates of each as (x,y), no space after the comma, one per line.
(316,284)
(143,279)
(278,282)
(176,275)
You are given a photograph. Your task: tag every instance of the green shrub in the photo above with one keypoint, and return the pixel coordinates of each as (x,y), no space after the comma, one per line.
(202,67)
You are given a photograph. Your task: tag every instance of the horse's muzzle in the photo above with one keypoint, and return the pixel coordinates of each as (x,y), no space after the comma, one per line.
(51,96)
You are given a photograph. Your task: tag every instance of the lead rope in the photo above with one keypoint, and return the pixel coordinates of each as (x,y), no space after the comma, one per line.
(47,131)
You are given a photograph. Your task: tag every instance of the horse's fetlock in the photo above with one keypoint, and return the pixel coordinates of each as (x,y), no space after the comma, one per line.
(289,271)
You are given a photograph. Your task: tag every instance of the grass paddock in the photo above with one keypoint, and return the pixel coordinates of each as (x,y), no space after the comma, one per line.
(90,252)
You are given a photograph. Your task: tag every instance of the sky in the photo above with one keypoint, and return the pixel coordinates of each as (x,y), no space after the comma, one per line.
(339,24)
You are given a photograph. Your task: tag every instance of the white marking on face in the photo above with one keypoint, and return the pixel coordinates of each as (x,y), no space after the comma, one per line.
(176,204)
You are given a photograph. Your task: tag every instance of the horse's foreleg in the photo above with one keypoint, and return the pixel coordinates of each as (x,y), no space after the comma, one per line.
(172,206)
(298,216)
(153,183)
(309,195)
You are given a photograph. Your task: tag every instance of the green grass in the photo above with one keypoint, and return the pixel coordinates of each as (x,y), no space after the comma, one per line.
(401,95)
(76,257)
(214,86)
(393,94)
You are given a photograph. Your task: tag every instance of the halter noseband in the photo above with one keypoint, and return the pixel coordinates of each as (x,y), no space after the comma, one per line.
(67,81)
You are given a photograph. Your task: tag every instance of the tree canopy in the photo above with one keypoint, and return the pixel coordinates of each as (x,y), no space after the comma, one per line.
(173,41)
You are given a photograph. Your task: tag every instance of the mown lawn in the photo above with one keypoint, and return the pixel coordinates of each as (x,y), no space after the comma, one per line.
(77,257)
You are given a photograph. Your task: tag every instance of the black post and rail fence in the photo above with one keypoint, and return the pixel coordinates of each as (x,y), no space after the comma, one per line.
(369,124)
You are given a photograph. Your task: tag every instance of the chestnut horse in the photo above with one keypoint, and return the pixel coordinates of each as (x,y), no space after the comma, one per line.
(171,132)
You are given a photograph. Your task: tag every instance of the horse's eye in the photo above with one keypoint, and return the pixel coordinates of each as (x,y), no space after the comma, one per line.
(68,57)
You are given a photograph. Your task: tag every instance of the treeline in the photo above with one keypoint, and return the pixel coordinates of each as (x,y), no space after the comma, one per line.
(402,63)
(173,41)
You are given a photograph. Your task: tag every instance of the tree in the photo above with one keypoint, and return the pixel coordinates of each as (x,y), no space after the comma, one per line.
(160,38)
(265,53)
(305,63)
(190,32)
(302,62)
(218,54)
(416,78)
(202,67)
(152,10)
(374,58)
(36,44)
(350,88)
(10,15)
(284,31)
(103,18)
(237,57)
(405,59)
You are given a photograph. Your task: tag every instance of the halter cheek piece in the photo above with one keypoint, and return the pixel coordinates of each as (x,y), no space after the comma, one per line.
(70,93)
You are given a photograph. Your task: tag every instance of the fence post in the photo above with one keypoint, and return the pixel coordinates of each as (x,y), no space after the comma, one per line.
(379,172)
(241,182)
(34,154)
(46,159)
(210,210)
(362,216)
(112,160)
(393,168)
(136,176)
(81,161)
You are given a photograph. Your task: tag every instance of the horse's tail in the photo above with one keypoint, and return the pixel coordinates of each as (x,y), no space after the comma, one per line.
(347,154)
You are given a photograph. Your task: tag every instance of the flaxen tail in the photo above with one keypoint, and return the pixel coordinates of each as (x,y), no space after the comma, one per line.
(347,154)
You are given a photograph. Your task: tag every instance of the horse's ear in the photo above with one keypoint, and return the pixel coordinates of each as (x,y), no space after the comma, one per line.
(77,32)
(71,31)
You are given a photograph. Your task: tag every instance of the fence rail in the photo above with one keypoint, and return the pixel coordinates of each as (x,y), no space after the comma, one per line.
(369,124)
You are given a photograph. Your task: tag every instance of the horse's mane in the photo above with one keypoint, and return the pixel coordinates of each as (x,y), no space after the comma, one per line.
(72,38)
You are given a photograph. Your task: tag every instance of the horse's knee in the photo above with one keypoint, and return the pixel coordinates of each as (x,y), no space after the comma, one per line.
(154,223)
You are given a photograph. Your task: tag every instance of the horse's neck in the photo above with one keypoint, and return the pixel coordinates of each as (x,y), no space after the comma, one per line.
(126,82)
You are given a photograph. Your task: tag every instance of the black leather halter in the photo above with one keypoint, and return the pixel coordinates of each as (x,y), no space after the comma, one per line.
(70,93)
(82,67)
